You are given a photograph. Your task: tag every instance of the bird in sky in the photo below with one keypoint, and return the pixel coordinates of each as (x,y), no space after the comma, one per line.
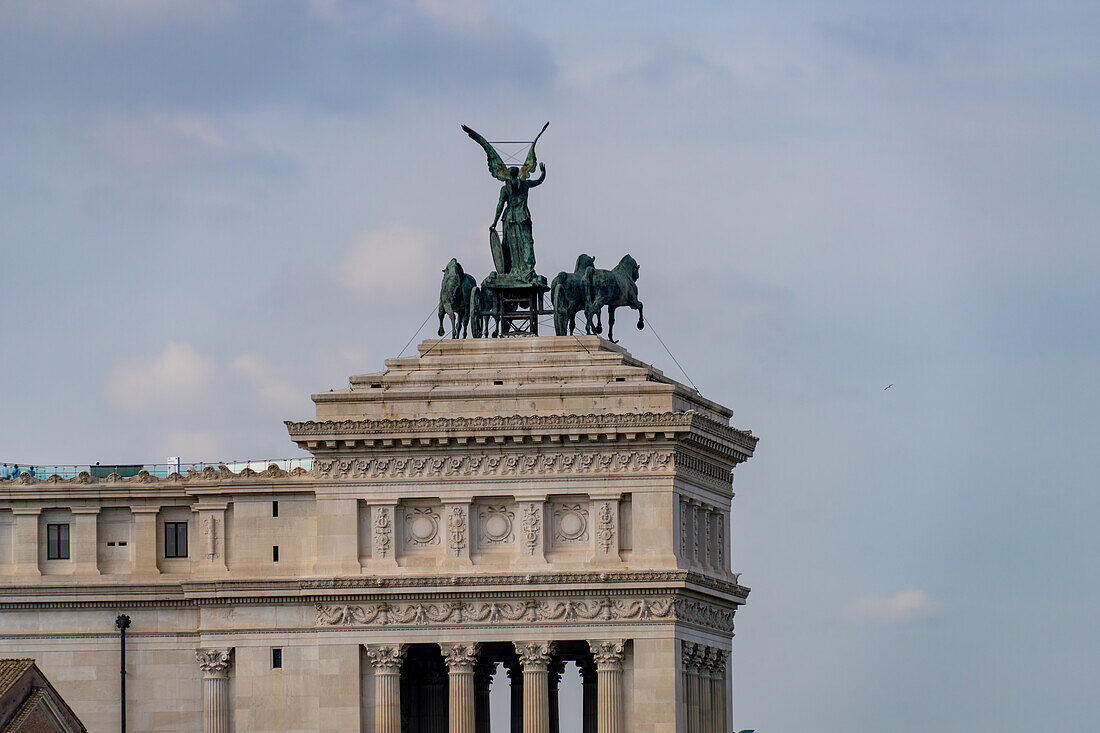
(888,386)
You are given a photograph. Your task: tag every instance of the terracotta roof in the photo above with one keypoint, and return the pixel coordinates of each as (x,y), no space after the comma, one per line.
(11,670)
(25,710)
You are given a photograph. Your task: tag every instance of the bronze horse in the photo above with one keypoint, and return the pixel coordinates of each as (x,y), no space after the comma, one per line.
(613,288)
(454,299)
(568,294)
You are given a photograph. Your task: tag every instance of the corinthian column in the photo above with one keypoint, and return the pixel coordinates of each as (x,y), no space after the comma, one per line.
(608,656)
(215,664)
(718,694)
(386,660)
(460,659)
(535,658)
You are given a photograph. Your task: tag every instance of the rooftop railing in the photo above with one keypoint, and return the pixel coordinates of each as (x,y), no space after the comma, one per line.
(158,470)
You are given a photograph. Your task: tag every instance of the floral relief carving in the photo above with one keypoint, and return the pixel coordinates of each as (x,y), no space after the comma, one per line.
(386,657)
(456,527)
(214,662)
(383,531)
(605,531)
(532,527)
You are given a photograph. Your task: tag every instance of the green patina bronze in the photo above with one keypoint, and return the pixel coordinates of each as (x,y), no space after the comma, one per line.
(612,288)
(514,257)
(456,299)
(569,294)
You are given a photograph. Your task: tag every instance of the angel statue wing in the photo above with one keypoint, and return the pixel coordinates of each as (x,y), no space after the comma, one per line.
(529,164)
(497,168)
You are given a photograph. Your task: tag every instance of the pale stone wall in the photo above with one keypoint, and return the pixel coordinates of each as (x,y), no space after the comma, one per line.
(513,492)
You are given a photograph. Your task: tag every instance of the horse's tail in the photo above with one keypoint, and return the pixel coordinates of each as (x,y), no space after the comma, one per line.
(555,288)
(589,286)
(475,312)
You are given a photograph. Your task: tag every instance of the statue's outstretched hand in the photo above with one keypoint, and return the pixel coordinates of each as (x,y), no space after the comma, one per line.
(542,167)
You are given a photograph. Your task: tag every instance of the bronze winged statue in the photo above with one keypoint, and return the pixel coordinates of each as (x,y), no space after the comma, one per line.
(515,256)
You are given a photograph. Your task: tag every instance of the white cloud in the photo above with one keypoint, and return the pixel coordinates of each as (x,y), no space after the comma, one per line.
(263,381)
(382,261)
(177,376)
(157,140)
(904,606)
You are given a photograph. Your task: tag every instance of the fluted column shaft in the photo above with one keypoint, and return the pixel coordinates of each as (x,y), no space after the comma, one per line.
(386,660)
(608,655)
(215,665)
(535,658)
(460,659)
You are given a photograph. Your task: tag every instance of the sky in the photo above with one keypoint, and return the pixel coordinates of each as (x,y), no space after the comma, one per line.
(211,209)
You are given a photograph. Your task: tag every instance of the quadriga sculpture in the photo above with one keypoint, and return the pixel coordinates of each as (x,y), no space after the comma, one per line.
(612,288)
(568,294)
(454,299)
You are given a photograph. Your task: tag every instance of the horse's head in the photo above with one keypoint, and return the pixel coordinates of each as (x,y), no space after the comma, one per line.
(584,262)
(629,267)
(453,270)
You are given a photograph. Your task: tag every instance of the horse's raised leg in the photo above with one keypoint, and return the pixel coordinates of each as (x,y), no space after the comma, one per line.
(641,321)
(441,313)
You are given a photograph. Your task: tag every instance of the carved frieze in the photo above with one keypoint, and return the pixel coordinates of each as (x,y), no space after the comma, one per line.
(500,464)
(532,611)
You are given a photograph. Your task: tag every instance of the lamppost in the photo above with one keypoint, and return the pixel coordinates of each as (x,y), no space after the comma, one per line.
(123,623)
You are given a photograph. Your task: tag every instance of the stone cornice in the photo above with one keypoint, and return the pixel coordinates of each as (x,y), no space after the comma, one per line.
(197,593)
(334,436)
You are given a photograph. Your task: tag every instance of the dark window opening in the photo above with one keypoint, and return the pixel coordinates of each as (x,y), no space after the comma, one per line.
(121,544)
(175,539)
(110,544)
(620,379)
(274,508)
(274,553)
(57,542)
(276,658)
(498,382)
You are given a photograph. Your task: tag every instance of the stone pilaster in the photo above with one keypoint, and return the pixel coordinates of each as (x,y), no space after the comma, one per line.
(83,548)
(460,659)
(718,689)
(210,559)
(337,537)
(215,665)
(535,658)
(608,656)
(532,532)
(383,535)
(688,657)
(605,539)
(386,660)
(456,516)
(25,545)
(589,694)
(144,544)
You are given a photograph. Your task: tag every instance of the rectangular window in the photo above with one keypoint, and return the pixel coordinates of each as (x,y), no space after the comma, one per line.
(274,553)
(57,542)
(274,508)
(175,539)
(276,658)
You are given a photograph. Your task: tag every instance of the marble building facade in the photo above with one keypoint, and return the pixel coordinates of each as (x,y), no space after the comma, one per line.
(527,502)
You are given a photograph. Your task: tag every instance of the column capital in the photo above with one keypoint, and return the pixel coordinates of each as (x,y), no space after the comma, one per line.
(386,657)
(689,654)
(534,655)
(461,656)
(607,653)
(214,663)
